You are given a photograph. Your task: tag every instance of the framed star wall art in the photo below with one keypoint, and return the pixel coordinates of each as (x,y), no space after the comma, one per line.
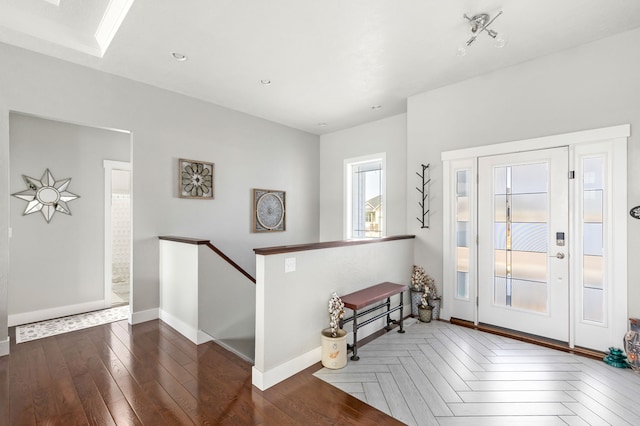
(195,179)
(46,195)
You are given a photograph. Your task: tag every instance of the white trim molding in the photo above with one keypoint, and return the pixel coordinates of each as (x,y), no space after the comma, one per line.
(180,326)
(267,379)
(349,163)
(109,166)
(57,312)
(144,316)
(566,139)
(4,346)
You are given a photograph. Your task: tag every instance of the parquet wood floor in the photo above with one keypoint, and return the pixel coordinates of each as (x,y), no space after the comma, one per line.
(439,373)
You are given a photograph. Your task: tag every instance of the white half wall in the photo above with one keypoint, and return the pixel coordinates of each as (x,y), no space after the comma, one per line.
(292,307)
(179,287)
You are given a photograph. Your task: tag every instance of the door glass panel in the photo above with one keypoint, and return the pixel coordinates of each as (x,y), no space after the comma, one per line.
(521,236)
(593,303)
(529,237)
(500,292)
(592,235)
(529,178)
(463,259)
(593,271)
(594,290)
(592,173)
(500,208)
(524,236)
(529,208)
(529,266)
(462,287)
(500,236)
(529,295)
(462,233)
(500,264)
(462,183)
(463,209)
(500,180)
(593,205)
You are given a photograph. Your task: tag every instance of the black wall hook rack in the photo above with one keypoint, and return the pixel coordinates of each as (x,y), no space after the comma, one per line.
(424,193)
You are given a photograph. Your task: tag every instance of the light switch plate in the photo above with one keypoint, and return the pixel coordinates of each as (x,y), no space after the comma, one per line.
(290,264)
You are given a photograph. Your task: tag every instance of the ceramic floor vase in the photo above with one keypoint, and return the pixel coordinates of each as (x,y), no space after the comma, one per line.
(334,349)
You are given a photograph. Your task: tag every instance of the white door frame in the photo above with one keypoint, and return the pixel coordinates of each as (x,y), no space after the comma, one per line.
(616,136)
(109,166)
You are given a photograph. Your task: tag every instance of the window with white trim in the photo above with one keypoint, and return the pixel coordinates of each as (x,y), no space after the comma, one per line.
(365,197)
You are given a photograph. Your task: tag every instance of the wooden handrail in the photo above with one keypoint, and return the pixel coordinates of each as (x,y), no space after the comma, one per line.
(266,251)
(207,243)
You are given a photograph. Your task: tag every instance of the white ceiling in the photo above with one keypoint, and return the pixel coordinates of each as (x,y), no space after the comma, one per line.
(329,61)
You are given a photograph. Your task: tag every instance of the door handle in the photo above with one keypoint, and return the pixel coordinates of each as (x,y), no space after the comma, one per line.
(559,255)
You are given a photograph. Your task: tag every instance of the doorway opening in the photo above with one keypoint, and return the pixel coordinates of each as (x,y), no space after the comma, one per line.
(117,233)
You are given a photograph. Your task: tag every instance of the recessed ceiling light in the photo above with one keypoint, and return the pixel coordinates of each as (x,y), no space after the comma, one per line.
(376,107)
(265,82)
(179,56)
(322,124)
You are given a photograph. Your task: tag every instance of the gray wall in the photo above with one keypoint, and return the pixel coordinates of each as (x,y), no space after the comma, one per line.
(61,262)
(387,135)
(248,152)
(592,86)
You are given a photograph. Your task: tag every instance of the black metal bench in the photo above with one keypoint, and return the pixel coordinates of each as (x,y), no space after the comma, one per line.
(367,297)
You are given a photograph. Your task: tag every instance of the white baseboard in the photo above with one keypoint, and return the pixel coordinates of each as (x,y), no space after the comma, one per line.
(180,326)
(4,346)
(203,337)
(57,312)
(264,380)
(143,316)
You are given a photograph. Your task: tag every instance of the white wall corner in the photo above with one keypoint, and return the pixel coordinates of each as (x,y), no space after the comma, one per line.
(264,380)
(4,346)
(144,316)
(180,326)
(233,351)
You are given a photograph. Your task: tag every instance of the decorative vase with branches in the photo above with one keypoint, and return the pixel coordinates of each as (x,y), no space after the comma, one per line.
(424,300)
(336,312)
(421,284)
(334,339)
(424,309)
(417,278)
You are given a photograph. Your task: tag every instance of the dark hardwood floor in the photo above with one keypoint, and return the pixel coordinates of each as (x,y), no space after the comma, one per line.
(148,374)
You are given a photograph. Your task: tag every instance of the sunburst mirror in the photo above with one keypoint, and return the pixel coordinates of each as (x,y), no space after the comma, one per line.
(46,195)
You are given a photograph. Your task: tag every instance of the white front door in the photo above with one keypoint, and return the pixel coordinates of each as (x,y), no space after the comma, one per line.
(523,241)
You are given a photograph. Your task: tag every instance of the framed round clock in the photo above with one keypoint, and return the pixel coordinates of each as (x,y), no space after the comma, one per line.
(635,212)
(268,210)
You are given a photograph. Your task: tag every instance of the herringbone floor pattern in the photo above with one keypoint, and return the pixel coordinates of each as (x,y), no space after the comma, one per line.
(439,373)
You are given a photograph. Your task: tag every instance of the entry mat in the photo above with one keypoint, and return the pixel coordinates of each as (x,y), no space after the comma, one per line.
(38,330)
